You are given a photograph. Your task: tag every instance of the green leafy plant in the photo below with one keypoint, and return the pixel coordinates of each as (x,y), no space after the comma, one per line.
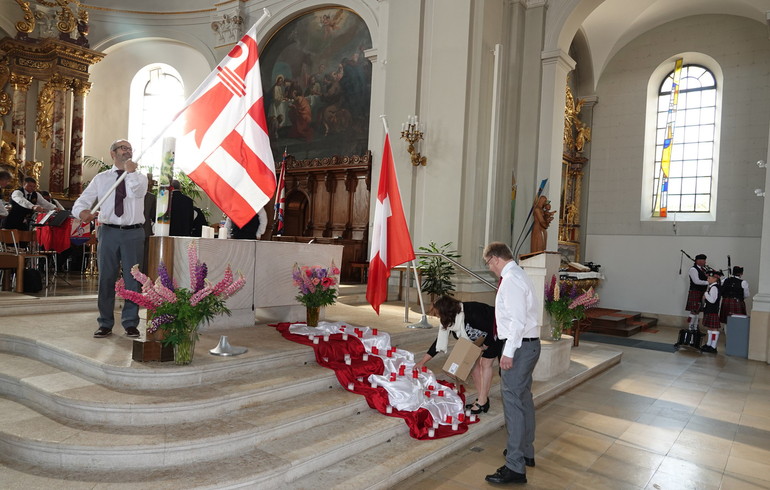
(437,272)
(567,304)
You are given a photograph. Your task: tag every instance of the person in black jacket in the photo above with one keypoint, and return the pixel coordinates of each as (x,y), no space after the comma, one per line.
(470,320)
(181,212)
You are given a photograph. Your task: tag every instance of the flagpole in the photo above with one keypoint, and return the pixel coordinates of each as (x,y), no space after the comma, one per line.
(423,323)
(201,88)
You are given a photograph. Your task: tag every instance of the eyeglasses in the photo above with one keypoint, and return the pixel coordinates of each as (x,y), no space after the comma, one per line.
(122,147)
(487,261)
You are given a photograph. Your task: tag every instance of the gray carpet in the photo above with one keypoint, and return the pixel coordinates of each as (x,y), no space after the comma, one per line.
(626,341)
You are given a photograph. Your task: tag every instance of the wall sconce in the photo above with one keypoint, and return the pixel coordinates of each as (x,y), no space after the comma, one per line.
(412,131)
(759,192)
(761,164)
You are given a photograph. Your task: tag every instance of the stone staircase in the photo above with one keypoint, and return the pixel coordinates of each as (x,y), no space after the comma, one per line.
(617,322)
(78,413)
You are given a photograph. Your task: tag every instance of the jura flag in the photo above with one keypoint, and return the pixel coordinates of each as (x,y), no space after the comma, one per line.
(391,243)
(222,140)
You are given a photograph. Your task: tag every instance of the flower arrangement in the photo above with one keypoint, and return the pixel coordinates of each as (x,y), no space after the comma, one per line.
(567,304)
(317,285)
(180,311)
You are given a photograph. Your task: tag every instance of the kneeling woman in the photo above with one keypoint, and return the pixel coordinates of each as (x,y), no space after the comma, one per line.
(469,320)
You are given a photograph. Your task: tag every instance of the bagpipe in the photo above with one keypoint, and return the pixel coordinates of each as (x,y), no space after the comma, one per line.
(707,268)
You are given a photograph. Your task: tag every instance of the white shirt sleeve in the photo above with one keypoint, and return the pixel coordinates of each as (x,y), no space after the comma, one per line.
(693,273)
(262,223)
(3,211)
(746,294)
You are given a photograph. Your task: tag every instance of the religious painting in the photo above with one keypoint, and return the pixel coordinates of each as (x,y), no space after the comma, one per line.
(317,85)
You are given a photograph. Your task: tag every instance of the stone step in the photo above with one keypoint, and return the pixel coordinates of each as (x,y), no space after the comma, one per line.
(70,396)
(613,322)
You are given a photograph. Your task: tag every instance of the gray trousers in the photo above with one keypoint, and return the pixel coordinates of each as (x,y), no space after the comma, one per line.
(118,248)
(518,407)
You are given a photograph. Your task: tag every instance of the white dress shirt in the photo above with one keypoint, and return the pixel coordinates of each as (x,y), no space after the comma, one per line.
(133,204)
(21,199)
(693,273)
(516,308)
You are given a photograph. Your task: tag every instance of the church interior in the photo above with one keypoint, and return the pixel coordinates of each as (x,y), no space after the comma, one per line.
(619,138)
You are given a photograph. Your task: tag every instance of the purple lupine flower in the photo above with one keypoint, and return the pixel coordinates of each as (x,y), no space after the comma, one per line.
(158,321)
(165,279)
(164,292)
(200,276)
(226,281)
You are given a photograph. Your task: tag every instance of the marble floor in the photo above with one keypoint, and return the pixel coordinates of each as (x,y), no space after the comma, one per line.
(656,421)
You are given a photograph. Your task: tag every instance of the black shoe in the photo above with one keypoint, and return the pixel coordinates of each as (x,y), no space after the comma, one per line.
(132,332)
(527,461)
(102,332)
(708,348)
(480,408)
(470,405)
(506,475)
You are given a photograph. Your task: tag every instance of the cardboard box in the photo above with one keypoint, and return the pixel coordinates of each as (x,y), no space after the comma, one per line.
(462,358)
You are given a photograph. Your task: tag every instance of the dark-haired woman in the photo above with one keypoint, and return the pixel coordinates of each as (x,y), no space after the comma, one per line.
(469,320)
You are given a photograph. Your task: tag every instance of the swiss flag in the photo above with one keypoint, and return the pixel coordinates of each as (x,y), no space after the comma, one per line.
(222,140)
(391,243)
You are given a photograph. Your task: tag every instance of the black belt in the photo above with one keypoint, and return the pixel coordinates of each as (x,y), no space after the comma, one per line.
(530,339)
(123,227)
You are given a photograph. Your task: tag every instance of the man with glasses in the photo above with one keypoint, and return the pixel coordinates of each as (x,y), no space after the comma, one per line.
(121,236)
(516,308)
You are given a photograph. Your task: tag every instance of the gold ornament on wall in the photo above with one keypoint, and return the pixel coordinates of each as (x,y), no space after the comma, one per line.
(44,120)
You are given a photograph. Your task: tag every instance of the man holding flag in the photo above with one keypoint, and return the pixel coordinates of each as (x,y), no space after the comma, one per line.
(391,243)
(224,148)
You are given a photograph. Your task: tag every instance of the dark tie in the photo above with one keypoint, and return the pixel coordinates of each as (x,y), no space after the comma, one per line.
(120,194)
(494,328)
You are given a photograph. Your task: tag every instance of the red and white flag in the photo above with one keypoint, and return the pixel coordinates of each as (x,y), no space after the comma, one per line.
(391,243)
(280,198)
(222,139)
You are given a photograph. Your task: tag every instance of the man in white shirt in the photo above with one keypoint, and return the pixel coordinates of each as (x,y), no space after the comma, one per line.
(516,308)
(24,203)
(121,236)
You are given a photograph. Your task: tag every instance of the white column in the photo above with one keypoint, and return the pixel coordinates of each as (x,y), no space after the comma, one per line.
(759,333)
(556,65)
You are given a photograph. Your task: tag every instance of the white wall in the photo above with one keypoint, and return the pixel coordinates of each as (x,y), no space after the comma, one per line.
(642,272)
(641,259)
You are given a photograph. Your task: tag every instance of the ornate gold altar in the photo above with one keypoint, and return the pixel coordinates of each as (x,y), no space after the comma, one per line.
(576,135)
(54,64)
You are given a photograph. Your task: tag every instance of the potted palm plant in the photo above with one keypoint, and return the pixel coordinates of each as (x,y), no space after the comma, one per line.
(437,272)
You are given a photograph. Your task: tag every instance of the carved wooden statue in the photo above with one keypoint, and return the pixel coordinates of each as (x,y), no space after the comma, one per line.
(543,217)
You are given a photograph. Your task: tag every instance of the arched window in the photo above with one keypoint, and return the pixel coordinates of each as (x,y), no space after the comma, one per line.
(157,94)
(692,170)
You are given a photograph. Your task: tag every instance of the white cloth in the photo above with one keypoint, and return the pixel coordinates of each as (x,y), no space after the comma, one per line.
(20,198)
(442,341)
(712,293)
(133,204)
(516,307)
(3,209)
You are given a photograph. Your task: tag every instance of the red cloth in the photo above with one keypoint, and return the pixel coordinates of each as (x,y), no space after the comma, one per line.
(54,237)
(334,352)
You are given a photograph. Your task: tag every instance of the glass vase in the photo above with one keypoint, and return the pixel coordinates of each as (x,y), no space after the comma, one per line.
(184,350)
(313,313)
(556,330)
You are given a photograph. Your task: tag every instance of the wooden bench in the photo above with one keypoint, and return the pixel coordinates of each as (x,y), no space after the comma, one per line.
(363,268)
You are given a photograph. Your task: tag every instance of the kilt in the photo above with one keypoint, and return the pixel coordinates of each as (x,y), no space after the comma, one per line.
(694,300)
(711,321)
(731,306)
